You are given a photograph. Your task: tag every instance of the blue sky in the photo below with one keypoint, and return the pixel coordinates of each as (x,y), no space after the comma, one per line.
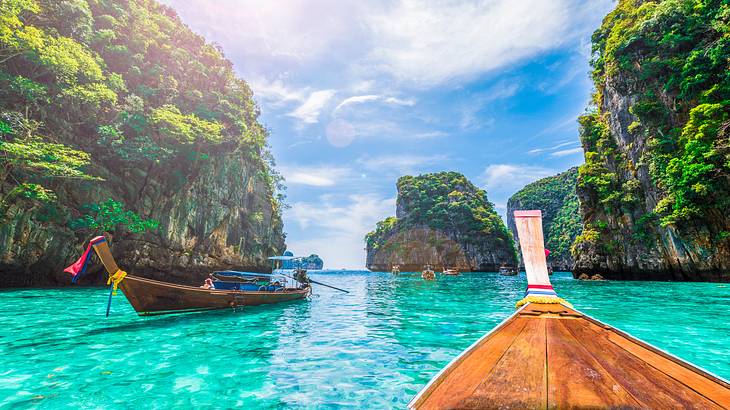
(356,94)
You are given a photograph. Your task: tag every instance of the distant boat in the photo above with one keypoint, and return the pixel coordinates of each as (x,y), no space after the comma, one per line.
(395,270)
(549,355)
(428,273)
(450,272)
(507,271)
(227,289)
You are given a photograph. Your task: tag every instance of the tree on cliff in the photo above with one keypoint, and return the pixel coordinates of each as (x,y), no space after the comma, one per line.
(556,197)
(455,212)
(656,145)
(121,99)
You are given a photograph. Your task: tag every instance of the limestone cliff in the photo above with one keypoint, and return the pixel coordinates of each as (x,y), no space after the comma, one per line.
(555,196)
(442,219)
(655,189)
(115,118)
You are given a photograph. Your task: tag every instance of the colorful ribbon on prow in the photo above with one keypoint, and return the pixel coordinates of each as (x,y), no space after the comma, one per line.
(78,269)
(534,255)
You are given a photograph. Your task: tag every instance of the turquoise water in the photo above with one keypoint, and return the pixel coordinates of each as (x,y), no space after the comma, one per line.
(372,348)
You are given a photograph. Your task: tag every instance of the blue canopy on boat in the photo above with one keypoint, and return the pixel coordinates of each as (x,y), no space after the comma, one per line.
(282,258)
(243,274)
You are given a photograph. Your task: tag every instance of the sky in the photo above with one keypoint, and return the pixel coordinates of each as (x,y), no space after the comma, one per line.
(356,94)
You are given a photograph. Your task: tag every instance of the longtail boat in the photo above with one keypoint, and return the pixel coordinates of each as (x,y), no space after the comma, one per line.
(550,355)
(450,272)
(223,290)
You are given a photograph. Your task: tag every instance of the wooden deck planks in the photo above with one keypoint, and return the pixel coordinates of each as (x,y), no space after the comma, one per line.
(552,356)
(575,378)
(463,377)
(518,380)
(651,387)
(714,390)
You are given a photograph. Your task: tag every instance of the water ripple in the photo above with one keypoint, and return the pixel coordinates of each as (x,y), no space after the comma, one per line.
(372,348)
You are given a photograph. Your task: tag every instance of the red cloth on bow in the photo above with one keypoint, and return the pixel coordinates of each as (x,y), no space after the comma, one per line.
(79,267)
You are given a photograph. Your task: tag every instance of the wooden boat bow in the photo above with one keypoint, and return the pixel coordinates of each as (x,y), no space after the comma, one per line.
(550,355)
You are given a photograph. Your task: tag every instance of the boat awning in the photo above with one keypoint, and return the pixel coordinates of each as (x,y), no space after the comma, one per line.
(243,274)
(281,258)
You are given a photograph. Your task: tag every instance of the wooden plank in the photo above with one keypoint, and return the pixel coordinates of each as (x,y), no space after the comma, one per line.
(575,378)
(706,386)
(532,244)
(464,376)
(651,387)
(518,380)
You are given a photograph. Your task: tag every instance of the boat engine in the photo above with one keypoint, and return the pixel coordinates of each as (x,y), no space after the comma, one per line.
(301,276)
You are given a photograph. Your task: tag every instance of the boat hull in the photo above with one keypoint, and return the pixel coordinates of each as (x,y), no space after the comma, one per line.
(152,297)
(552,356)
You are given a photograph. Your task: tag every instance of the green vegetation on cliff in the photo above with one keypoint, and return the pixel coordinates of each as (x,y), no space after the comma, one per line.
(120,99)
(677,52)
(656,139)
(445,202)
(556,197)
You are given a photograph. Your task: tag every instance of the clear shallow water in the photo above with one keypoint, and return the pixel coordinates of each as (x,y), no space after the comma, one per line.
(373,348)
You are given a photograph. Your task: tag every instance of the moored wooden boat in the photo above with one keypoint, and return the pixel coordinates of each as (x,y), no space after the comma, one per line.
(428,273)
(152,297)
(450,272)
(507,271)
(549,355)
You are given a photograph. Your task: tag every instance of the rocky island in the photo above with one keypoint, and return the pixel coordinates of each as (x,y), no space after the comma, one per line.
(116,118)
(441,219)
(312,262)
(556,197)
(654,191)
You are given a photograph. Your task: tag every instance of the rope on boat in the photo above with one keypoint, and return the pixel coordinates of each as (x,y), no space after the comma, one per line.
(542,300)
(115,279)
(113,282)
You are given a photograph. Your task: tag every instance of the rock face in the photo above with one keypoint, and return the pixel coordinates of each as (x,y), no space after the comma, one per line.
(442,219)
(138,111)
(555,196)
(655,189)
(311,262)
(220,218)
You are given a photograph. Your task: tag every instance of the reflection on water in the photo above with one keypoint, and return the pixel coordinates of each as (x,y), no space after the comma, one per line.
(372,348)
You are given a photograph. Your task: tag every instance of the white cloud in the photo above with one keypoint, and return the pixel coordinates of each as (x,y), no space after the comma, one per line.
(553,148)
(392,130)
(398,101)
(356,100)
(431,42)
(428,135)
(506,177)
(363,86)
(470,117)
(419,41)
(359,99)
(403,164)
(340,228)
(288,31)
(321,176)
(276,92)
(309,111)
(565,152)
